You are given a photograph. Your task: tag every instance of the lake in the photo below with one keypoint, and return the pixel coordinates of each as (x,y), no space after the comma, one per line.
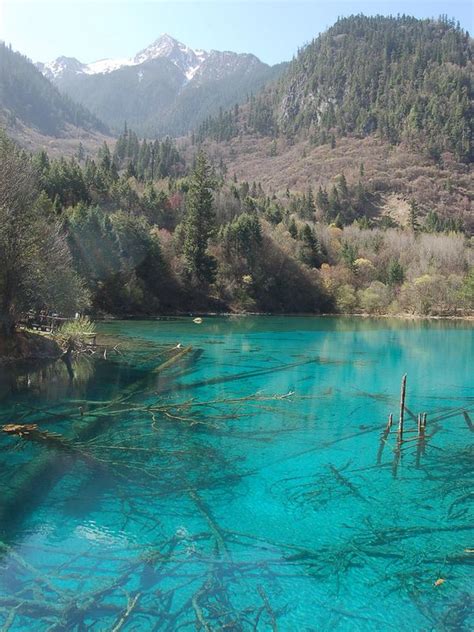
(235,475)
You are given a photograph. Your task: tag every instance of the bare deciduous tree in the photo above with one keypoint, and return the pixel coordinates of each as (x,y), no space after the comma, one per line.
(35,263)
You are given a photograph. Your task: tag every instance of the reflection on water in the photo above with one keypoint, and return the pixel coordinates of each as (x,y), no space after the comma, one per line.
(245,484)
(51,380)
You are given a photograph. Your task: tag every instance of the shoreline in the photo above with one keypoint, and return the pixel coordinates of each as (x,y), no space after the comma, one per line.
(408,317)
(27,347)
(32,348)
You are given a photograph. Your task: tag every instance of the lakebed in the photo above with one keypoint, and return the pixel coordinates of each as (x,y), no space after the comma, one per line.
(232,474)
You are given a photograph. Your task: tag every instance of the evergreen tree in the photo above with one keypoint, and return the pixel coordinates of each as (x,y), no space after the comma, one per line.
(322,200)
(348,254)
(413,216)
(395,273)
(199,224)
(310,252)
(309,208)
(292,228)
(81,154)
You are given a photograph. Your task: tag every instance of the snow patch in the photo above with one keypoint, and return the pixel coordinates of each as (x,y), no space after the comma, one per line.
(105,65)
(191,72)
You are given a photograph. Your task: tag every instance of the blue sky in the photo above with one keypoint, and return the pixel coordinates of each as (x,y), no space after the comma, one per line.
(271,29)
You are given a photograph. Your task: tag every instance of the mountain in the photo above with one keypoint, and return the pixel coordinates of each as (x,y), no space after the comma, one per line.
(403,79)
(185,59)
(28,99)
(408,79)
(166,88)
(382,100)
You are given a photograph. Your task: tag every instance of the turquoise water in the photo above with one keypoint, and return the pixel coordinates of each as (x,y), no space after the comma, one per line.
(244,486)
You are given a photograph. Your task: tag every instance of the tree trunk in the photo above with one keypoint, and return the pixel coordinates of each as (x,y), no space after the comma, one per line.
(7,325)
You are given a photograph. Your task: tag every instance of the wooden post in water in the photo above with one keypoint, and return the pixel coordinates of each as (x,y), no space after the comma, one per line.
(424,422)
(420,449)
(402,407)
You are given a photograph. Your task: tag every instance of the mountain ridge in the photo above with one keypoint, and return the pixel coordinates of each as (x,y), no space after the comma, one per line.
(29,100)
(188,60)
(166,88)
(185,58)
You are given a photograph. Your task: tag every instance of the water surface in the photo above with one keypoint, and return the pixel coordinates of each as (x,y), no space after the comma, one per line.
(244,486)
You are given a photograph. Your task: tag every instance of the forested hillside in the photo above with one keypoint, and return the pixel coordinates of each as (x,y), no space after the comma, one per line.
(382,100)
(29,99)
(144,232)
(406,80)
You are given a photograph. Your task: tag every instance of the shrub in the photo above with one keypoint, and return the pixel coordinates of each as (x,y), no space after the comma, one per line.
(346,298)
(77,330)
(376,298)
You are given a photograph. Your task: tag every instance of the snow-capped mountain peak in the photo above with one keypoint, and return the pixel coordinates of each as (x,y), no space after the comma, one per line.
(183,57)
(189,61)
(164,46)
(61,67)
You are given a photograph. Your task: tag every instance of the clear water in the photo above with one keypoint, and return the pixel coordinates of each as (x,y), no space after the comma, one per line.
(244,486)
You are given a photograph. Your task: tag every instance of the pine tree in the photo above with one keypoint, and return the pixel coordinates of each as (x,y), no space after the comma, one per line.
(105,158)
(292,228)
(322,200)
(199,224)
(413,216)
(395,273)
(310,252)
(348,254)
(80,153)
(309,208)
(342,186)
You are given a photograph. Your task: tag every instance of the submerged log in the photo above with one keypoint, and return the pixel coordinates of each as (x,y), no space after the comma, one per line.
(41,473)
(268,608)
(173,359)
(468,420)
(131,605)
(31,432)
(384,437)
(346,483)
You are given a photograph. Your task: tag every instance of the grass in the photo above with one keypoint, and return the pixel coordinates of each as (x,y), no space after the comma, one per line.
(78,329)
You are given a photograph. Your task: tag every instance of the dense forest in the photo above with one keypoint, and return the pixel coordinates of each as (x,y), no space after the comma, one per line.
(137,231)
(28,98)
(405,79)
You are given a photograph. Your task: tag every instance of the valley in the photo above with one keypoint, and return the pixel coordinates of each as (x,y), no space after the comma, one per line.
(236,309)
(342,185)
